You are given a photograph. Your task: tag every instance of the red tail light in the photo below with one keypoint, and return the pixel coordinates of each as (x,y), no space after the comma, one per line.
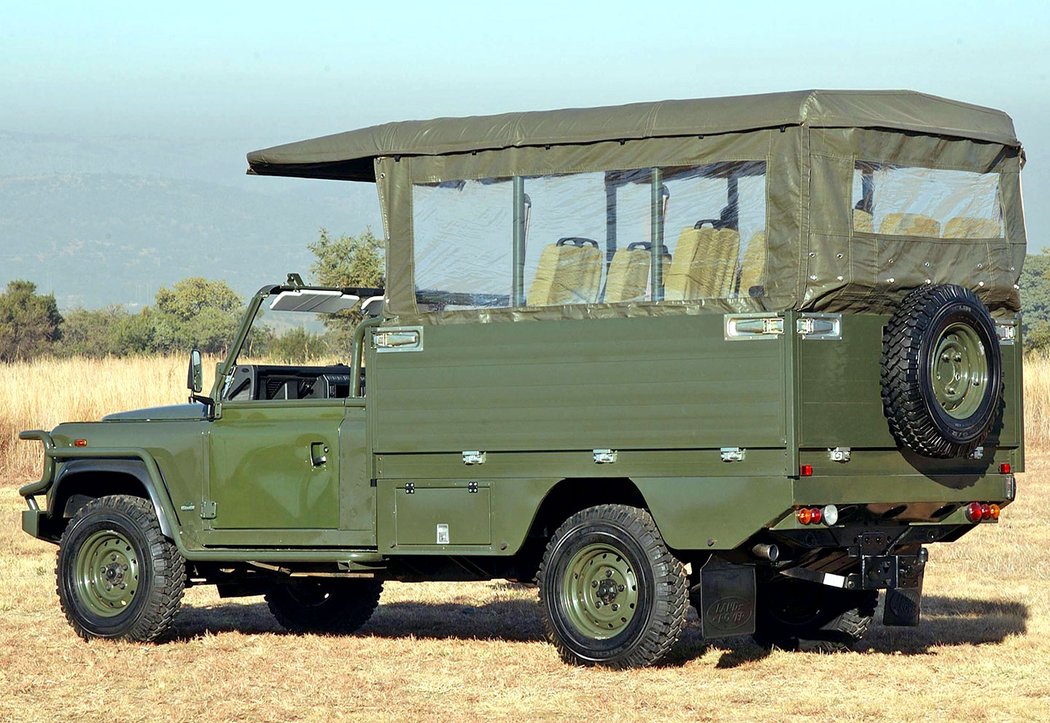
(805,470)
(816,516)
(974,512)
(1005,468)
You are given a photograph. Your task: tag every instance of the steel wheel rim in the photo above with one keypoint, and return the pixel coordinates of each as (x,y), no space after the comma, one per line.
(600,591)
(107,573)
(959,371)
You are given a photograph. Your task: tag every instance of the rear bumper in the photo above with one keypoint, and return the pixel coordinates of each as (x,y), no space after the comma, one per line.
(901,489)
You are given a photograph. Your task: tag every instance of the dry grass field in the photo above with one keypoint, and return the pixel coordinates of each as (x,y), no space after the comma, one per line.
(469,651)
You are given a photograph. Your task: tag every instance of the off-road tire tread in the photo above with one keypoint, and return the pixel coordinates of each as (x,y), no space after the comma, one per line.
(905,408)
(344,616)
(169,567)
(670,603)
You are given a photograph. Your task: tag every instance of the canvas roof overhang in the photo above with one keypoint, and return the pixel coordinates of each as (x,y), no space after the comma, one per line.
(350,156)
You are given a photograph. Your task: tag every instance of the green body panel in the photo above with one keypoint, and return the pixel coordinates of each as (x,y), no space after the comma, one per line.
(260,470)
(656,383)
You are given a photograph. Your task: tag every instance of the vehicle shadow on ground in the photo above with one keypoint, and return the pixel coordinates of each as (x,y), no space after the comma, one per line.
(945,621)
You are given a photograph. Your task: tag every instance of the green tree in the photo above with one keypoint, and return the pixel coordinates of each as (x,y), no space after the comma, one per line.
(354,261)
(195,312)
(29,322)
(348,260)
(1035,301)
(90,332)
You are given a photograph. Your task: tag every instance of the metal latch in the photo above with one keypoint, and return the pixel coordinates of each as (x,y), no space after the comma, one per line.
(752,326)
(399,339)
(732,454)
(977,453)
(604,456)
(208,510)
(839,454)
(473,456)
(1007,331)
(820,326)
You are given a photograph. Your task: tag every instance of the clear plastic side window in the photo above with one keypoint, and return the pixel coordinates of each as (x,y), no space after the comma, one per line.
(566,239)
(925,202)
(650,234)
(462,234)
(715,231)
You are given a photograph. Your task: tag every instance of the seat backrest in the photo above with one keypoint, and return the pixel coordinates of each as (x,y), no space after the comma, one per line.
(753,266)
(566,274)
(910,224)
(972,227)
(862,221)
(704,264)
(628,274)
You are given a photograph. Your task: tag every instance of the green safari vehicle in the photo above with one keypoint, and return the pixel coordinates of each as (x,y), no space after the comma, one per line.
(750,354)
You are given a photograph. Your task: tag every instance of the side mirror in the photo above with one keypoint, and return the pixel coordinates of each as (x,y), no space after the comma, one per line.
(195,374)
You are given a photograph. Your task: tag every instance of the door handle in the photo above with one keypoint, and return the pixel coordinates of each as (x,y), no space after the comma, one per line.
(318,453)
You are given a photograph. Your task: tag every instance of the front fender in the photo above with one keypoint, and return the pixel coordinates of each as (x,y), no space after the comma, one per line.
(135,463)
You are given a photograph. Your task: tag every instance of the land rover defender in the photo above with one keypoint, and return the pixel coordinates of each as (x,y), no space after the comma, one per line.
(752,354)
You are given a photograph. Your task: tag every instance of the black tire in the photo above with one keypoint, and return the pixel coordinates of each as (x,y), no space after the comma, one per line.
(941,372)
(117,575)
(611,592)
(324,605)
(798,615)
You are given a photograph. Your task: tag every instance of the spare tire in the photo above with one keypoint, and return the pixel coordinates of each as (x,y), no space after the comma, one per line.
(941,372)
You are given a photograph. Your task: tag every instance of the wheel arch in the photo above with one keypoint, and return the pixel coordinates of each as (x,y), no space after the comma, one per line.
(563,499)
(81,480)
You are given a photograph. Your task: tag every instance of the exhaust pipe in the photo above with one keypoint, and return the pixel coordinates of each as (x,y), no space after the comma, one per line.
(766,552)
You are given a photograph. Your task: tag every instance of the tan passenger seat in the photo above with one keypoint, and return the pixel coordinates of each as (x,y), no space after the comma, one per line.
(753,267)
(704,264)
(629,272)
(972,227)
(862,221)
(569,272)
(910,224)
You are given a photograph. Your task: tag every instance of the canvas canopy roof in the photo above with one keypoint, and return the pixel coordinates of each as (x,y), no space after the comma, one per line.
(351,155)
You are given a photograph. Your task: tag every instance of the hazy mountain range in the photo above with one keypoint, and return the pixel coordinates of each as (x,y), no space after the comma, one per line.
(109,221)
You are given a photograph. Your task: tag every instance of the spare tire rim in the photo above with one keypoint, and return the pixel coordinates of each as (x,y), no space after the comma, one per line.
(959,370)
(107,573)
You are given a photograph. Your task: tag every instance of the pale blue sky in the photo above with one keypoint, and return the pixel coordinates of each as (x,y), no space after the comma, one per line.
(268,73)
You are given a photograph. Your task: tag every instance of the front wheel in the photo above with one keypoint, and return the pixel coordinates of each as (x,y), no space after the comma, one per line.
(117,575)
(611,592)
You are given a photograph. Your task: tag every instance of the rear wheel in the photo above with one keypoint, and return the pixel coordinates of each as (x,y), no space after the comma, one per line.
(117,575)
(799,615)
(612,593)
(326,605)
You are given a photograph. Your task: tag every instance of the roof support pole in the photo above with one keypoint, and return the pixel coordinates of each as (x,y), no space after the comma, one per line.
(656,216)
(520,230)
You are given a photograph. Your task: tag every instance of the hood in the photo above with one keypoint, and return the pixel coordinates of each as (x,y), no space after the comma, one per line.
(174,411)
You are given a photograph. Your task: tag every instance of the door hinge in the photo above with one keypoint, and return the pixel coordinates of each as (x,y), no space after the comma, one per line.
(208,510)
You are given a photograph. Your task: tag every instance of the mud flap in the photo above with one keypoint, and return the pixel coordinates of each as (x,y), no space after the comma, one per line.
(725,599)
(903,604)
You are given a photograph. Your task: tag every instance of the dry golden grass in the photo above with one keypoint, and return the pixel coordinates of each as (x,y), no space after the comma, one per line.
(455,651)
